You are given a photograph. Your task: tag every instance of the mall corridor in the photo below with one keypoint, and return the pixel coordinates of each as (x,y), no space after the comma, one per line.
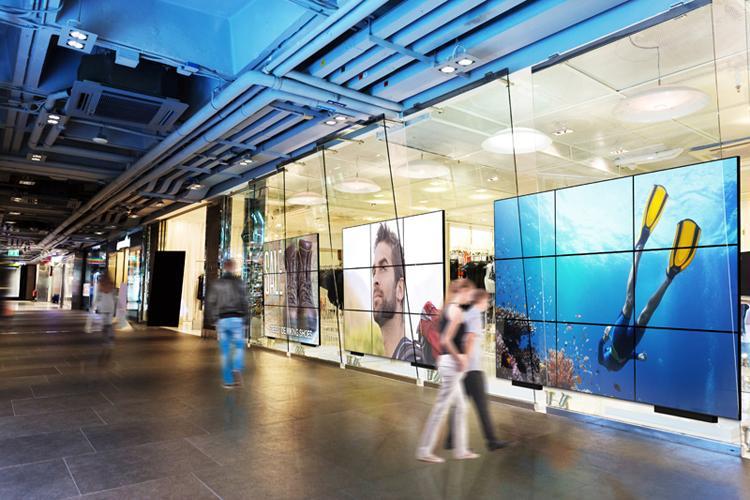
(156,423)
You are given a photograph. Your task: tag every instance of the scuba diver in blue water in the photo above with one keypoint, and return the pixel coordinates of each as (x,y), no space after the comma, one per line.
(623,335)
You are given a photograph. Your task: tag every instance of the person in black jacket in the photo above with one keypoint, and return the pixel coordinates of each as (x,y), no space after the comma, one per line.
(227,307)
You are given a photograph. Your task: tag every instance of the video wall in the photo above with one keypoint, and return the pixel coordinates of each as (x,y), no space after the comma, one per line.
(290,289)
(394,283)
(625,288)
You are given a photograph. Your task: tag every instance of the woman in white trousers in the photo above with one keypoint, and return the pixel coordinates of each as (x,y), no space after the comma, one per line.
(457,344)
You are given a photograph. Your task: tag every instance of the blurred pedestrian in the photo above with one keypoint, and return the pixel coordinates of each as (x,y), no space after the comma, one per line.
(457,344)
(104,306)
(474,379)
(227,306)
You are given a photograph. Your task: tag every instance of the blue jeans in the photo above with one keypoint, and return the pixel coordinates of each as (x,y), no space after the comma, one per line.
(231,333)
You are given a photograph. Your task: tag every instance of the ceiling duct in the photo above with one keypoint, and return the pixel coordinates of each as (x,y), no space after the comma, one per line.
(96,101)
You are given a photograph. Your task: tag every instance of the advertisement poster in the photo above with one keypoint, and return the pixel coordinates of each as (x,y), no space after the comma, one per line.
(394,282)
(291,303)
(625,288)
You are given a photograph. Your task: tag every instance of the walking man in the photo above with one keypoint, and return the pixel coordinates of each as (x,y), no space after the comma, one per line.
(227,307)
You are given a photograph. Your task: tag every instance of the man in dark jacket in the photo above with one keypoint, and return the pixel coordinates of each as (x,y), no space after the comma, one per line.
(227,307)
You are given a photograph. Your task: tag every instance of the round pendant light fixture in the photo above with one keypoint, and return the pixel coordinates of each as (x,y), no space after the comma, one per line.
(660,104)
(306,198)
(423,169)
(356,185)
(521,140)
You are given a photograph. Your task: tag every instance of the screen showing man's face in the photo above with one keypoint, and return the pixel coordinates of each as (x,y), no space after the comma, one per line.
(384,287)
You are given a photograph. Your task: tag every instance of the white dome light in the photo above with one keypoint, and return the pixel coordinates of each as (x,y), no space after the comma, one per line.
(660,104)
(423,169)
(521,139)
(356,185)
(307,198)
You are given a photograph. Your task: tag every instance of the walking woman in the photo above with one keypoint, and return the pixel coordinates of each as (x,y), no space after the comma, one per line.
(457,344)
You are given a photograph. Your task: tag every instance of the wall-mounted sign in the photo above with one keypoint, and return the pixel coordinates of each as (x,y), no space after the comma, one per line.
(14,252)
(123,243)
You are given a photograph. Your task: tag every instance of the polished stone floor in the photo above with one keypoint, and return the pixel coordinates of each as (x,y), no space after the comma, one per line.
(154,422)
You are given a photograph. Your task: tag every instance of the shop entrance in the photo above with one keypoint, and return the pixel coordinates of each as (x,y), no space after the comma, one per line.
(166,289)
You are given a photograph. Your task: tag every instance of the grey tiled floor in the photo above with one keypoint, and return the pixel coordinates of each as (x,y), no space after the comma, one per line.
(155,423)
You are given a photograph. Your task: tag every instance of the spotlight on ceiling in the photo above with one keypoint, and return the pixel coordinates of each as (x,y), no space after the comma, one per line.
(53,119)
(331,122)
(244,161)
(195,186)
(27,182)
(36,157)
(14,213)
(459,63)
(73,37)
(98,233)
(133,216)
(16,199)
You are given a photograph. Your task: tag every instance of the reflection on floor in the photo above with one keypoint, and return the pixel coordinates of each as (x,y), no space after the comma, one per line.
(153,421)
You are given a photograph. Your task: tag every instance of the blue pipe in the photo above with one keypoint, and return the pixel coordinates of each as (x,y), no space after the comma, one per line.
(509,33)
(436,25)
(593,28)
(445,34)
(389,23)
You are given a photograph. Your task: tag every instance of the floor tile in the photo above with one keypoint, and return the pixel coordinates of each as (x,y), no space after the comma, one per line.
(111,469)
(109,437)
(173,487)
(40,480)
(27,449)
(57,403)
(47,422)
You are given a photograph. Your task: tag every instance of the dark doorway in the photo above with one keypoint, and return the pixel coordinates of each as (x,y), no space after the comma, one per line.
(166,289)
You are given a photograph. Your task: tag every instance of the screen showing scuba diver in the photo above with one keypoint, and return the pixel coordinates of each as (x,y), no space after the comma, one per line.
(626,288)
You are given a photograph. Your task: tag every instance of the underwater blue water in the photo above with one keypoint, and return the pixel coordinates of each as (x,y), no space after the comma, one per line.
(694,371)
(697,371)
(595,217)
(510,292)
(592,288)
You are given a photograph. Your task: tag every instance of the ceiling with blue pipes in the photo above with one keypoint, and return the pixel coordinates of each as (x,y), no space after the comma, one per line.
(116,112)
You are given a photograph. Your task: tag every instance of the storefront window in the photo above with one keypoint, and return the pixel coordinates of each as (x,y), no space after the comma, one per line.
(186,233)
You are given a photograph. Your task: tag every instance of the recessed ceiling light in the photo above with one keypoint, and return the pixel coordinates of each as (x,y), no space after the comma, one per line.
(14,213)
(520,140)
(660,104)
(618,151)
(466,61)
(340,118)
(36,157)
(79,35)
(16,199)
(494,178)
(133,216)
(194,187)
(98,233)
(159,204)
(27,182)
(331,122)
(75,44)
(10,222)
(447,69)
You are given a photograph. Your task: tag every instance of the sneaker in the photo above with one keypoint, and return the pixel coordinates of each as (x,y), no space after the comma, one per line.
(430,458)
(469,455)
(237,378)
(228,386)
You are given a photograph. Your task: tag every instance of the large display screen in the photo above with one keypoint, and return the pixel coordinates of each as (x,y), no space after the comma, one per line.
(625,288)
(291,306)
(394,282)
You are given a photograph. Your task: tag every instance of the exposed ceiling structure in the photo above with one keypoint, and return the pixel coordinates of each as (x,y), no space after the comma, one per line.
(144,106)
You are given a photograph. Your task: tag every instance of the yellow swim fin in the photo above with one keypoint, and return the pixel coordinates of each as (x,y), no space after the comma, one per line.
(654,208)
(685,245)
